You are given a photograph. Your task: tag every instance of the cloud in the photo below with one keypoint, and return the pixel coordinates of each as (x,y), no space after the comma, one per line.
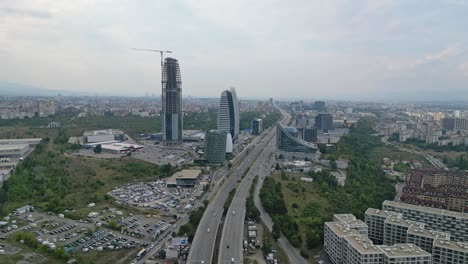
(400,64)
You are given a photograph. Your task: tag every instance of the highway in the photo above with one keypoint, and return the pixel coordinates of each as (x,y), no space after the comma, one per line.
(203,244)
(231,246)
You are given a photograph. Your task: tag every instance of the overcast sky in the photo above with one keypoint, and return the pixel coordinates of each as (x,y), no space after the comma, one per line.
(333,49)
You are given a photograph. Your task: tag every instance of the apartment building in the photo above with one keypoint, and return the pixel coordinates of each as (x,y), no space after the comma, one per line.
(396,229)
(454,223)
(375,220)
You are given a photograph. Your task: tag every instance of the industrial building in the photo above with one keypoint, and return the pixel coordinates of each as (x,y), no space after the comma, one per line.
(172,122)
(13,150)
(215,146)
(30,141)
(228,113)
(257,126)
(286,140)
(184,178)
(103,135)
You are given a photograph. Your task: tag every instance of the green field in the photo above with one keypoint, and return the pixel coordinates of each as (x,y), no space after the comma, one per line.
(55,182)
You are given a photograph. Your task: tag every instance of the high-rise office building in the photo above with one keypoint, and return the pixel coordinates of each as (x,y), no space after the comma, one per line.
(310,134)
(320,106)
(257,126)
(171,101)
(324,122)
(215,146)
(228,114)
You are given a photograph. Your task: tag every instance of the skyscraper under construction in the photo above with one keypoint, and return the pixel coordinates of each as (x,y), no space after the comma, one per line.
(171,101)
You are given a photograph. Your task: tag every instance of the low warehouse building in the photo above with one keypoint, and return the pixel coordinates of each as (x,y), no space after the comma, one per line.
(14,150)
(184,178)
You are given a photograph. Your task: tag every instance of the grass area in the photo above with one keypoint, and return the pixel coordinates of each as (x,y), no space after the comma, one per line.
(25,254)
(267,239)
(396,154)
(308,197)
(54,182)
(120,256)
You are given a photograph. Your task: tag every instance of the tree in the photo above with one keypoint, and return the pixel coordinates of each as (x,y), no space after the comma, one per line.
(280,156)
(276,230)
(277,167)
(229,165)
(98,149)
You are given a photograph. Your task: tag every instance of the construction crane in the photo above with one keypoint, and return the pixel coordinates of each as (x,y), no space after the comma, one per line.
(162,61)
(160,51)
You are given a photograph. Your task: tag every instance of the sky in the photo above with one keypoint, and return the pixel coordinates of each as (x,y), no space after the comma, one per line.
(334,49)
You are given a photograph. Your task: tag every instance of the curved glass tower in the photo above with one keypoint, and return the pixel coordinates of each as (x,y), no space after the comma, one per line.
(171,101)
(215,146)
(228,114)
(286,140)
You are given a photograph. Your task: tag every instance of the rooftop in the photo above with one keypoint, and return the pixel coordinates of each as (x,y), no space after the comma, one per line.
(103,132)
(377,212)
(184,175)
(404,250)
(458,246)
(13,146)
(395,220)
(418,231)
(341,229)
(425,209)
(363,244)
(20,141)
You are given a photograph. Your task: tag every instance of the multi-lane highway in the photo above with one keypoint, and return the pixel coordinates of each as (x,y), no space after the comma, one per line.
(231,247)
(203,244)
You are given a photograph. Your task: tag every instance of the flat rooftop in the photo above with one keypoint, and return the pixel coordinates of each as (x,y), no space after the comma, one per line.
(20,141)
(103,132)
(341,229)
(418,231)
(378,212)
(183,175)
(363,245)
(404,250)
(13,147)
(457,246)
(395,220)
(425,209)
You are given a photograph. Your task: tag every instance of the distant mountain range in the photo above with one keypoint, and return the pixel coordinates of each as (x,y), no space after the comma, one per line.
(18,89)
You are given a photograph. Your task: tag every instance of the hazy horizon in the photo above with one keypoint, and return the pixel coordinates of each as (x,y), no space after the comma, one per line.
(333,50)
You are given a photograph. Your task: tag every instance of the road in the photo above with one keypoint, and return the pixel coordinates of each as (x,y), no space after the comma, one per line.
(231,246)
(293,254)
(433,160)
(203,244)
(216,182)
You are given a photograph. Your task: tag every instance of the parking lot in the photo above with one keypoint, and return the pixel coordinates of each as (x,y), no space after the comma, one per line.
(157,196)
(160,155)
(137,231)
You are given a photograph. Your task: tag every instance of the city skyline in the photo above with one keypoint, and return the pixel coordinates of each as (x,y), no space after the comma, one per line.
(362,50)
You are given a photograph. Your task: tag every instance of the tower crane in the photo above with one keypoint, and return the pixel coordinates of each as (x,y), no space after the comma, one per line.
(160,51)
